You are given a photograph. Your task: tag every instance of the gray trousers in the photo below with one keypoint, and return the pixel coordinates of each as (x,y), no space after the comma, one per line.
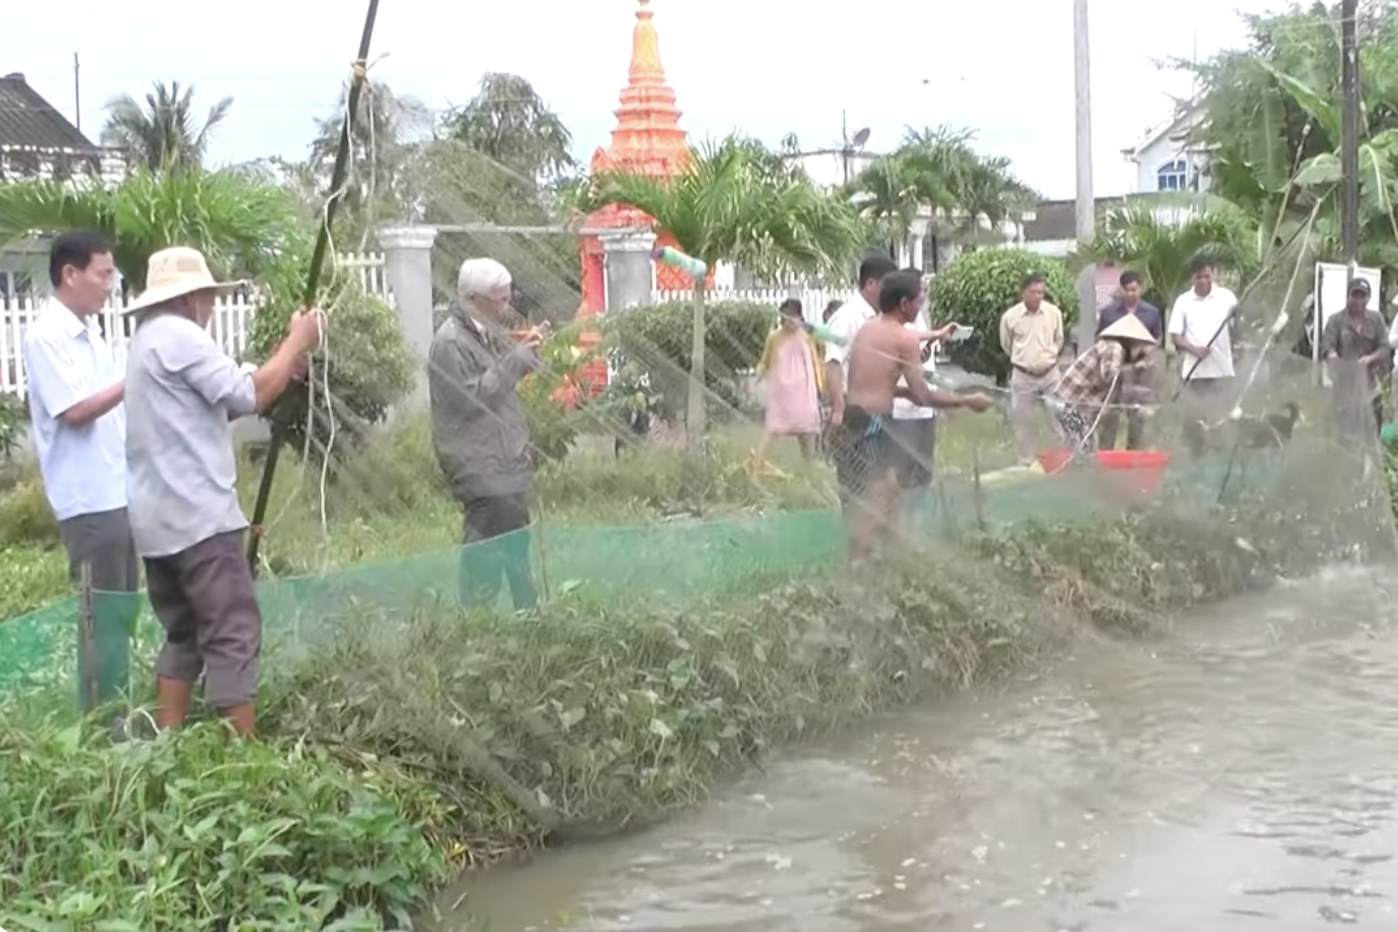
(206,601)
(496,542)
(102,541)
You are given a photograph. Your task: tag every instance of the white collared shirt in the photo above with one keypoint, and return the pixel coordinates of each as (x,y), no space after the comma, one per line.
(844,324)
(1197,320)
(67,361)
(903,409)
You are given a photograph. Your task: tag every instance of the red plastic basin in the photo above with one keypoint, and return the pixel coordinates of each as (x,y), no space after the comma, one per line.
(1140,470)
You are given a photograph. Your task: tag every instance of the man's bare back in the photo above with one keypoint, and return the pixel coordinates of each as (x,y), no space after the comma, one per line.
(883,352)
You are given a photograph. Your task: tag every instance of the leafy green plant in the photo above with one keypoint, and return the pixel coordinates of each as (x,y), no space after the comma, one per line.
(976,288)
(365,359)
(654,340)
(189,831)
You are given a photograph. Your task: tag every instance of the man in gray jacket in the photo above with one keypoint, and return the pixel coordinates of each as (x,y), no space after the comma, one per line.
(480,434)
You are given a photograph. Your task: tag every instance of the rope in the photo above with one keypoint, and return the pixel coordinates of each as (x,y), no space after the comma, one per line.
(359,73)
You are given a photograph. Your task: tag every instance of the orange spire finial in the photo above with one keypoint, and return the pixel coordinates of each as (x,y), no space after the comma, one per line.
(647,137)
(645,47)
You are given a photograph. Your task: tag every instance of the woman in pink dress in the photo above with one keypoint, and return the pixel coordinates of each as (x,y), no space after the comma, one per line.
(791,373)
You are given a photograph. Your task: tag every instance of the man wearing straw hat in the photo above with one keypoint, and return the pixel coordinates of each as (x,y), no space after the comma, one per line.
(1095,379)
(182,393)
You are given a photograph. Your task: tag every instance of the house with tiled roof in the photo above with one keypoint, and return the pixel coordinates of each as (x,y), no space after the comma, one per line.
(38,141)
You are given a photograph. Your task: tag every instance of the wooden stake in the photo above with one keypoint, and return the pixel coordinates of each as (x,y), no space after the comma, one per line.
(976,486)
(87,647)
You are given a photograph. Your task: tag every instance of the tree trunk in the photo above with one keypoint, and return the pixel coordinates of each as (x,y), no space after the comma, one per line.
(695,414)
(695,408)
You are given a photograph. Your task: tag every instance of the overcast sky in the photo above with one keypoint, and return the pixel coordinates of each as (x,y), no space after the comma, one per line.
(767,67)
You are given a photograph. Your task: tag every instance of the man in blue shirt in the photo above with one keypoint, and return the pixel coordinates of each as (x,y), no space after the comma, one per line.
(1140,390)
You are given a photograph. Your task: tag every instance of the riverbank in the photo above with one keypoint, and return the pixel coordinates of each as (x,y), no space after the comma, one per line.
(399,752)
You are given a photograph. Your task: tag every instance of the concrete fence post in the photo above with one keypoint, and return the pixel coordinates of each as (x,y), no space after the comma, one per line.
(407,275)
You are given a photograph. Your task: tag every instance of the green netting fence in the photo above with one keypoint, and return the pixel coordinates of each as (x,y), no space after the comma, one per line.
(690,559)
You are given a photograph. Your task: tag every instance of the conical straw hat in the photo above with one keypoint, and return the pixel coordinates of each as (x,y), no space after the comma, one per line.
(1129,328)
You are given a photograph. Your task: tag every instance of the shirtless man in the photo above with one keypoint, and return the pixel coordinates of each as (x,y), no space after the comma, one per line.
(884,351)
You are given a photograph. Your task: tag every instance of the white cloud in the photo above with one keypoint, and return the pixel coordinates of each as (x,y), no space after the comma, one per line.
(766,67)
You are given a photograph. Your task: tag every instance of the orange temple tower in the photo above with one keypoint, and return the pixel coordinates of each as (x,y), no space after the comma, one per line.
(647,139)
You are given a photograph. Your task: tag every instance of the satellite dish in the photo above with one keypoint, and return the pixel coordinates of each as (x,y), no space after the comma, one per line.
(860,138)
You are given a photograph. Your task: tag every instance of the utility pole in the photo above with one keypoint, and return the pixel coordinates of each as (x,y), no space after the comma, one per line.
(77,95)
(1085,208)
(1349,142)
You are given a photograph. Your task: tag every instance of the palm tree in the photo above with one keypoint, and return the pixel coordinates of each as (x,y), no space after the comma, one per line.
(889,194)
(991,197)
(508,121)
(243,225)
(1161,244)
(163,134)
(737,201)
(384,182)
(936,173)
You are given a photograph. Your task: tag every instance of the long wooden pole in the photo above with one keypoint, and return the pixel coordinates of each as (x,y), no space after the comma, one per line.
(337,181)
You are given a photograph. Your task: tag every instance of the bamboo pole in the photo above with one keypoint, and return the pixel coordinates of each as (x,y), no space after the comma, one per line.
(337,181)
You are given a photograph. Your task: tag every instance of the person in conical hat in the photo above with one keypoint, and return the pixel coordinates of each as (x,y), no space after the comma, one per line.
(182,392)
(1095,379)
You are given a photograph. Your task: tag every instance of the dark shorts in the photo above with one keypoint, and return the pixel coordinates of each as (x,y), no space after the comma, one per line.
(103,542)
(206,600)
(914,443)
(863,451)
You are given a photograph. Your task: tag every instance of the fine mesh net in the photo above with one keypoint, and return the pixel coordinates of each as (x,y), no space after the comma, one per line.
(1300,459)
(724,570)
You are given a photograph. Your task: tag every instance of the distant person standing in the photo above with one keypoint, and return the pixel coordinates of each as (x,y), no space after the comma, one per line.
(1355,347)
(1138,384)
(75,400)
(1200,325)
(480,434)
(845,324)
(1031,335)
(790,369)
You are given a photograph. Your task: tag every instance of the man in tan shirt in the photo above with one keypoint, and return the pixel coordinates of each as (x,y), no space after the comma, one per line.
(1031,334)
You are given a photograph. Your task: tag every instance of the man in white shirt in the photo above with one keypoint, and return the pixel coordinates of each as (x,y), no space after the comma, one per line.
(913,429)
(75,395)
(1200,327)
(844,324)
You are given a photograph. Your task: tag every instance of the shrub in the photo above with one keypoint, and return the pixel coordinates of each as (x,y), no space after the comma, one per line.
(26,517)
(366,360)
(14,419)
(976,288)
(655,339)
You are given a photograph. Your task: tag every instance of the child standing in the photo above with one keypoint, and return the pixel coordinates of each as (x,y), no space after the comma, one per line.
(791,372)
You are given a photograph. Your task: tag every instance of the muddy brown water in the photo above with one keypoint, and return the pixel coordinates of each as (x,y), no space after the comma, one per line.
(1240,773)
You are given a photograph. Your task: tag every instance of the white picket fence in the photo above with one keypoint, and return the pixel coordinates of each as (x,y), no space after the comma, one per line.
(229,326)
